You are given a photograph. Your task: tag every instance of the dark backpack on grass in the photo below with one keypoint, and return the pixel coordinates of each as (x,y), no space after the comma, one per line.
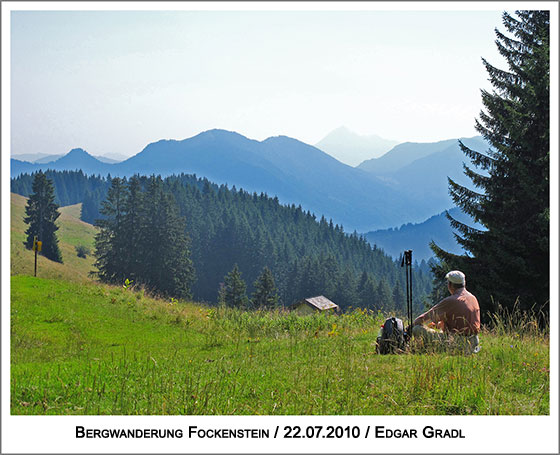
(391,339)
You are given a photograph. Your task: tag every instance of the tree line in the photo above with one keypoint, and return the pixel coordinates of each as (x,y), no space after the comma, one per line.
(252,236)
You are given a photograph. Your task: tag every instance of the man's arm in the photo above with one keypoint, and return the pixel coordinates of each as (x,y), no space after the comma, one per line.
(427,316)
(433,314)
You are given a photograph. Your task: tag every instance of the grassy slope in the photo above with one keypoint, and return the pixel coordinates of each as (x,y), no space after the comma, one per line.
(72,232)
(90,349)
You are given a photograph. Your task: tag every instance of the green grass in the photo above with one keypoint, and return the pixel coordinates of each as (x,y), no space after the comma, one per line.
(91,349)
(71,233)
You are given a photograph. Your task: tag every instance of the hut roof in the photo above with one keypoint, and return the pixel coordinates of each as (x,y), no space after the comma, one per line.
(320,302)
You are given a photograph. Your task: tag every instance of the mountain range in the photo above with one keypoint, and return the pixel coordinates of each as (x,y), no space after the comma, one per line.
(43,158)
(418,236)
(351,148)
(297,173)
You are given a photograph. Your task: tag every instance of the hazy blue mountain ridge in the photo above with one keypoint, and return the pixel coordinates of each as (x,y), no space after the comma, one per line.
(408,152)
(418,236)
(36,157)
(43,158)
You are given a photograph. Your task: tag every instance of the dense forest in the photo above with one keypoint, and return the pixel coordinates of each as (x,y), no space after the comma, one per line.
(227,227)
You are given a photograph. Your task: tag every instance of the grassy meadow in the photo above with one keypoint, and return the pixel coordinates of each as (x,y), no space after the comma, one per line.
(79,347)
(90,349)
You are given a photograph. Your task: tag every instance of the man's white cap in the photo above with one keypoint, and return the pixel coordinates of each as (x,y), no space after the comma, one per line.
(456,277)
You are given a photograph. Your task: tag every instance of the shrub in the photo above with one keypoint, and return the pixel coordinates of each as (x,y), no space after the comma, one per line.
(82,251)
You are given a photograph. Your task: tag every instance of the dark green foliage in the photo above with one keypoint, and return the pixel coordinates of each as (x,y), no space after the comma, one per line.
(509,257)
(366,292)
(82,251)
(142,237)
(384,296)
(164,264)
(234,292)
(90,205)
(110,251)
(266,294)
(42,213)
(346,290)
(399,296)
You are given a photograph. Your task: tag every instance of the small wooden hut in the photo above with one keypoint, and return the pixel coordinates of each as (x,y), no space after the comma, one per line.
(314,304)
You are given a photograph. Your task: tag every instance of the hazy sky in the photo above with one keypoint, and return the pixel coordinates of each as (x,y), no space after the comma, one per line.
(116,81)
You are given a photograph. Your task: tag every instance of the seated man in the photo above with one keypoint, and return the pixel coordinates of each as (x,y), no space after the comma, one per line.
(457,315)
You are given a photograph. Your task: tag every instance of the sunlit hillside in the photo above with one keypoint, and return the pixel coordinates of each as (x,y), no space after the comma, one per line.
(72,232)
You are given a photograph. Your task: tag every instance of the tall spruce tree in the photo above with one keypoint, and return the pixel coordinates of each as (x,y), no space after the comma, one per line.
(110,246)
(132,224)
(266,294)
(234,294)
(42,213)
(509,258)
(165,265)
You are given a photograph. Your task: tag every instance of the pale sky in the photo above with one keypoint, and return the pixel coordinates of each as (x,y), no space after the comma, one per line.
(116,81)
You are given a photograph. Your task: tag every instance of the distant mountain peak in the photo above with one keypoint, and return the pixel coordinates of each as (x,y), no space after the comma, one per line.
(352,148)
(77,152)
(282,140)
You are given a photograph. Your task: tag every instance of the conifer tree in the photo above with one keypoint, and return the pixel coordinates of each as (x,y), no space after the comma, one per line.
(42,213)
(367,292)
(266,294)
(89,212)
(509,258)
(110,248)
(346,295)
(165,265)
(234,292)
(133,222)
(384,296)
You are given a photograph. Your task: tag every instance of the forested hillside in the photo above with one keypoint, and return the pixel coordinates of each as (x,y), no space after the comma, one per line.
(307,256)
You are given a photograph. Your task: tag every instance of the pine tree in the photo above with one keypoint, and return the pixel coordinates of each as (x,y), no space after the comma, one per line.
(266,294)
(110,248)
(165,265)
(509,258)
(132,224)
(42,213)
(234,293)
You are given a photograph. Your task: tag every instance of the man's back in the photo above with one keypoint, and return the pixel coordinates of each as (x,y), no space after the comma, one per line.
(460,313)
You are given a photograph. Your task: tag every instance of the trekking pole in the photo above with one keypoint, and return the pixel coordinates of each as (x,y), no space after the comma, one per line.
(411,315)
(35,250)
(407,263)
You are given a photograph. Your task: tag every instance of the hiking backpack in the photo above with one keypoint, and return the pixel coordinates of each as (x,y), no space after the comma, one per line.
(391,338)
